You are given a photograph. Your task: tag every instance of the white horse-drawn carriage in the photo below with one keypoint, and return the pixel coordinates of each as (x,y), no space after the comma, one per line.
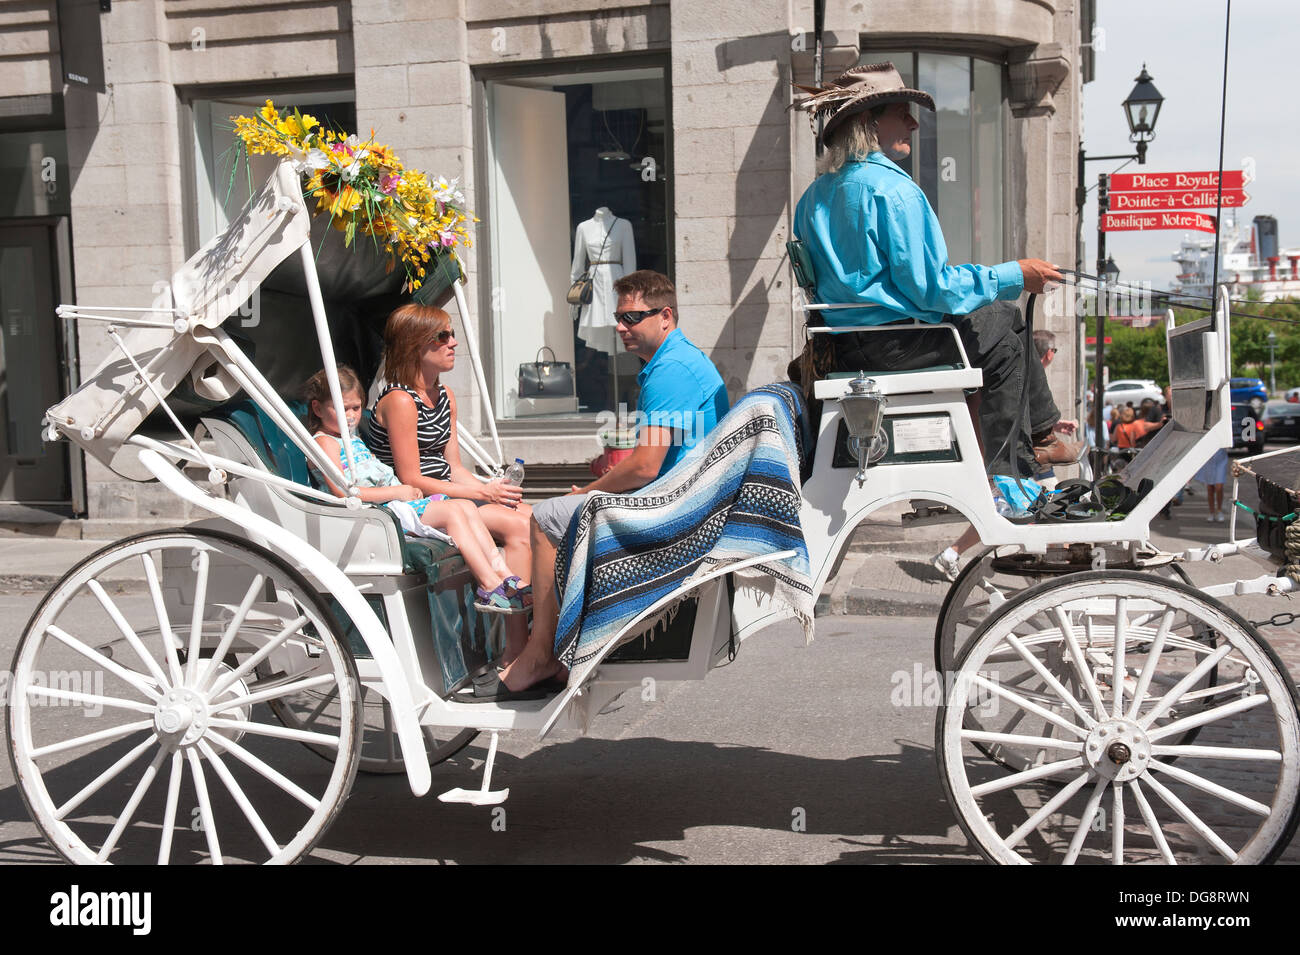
(289,618)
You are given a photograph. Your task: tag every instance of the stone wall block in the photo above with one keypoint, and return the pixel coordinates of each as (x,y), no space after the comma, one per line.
(291,58)
(704,239)
(727,19)
(758,237)
(382,84)
(703,150)
(762,148)
(437,84)
(419,41)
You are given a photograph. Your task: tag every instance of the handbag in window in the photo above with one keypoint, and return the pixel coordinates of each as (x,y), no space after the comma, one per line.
(580,291)
(546,379)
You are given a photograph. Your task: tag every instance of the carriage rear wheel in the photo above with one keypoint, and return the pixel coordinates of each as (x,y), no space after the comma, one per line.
(1102,785)
(138,723)
(381,753)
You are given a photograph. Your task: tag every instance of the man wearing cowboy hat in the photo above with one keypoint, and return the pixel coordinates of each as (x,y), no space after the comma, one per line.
(874,238)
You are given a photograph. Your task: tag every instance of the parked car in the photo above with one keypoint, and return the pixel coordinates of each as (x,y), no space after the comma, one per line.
(1131,391)
(1249,399)
(1282,420)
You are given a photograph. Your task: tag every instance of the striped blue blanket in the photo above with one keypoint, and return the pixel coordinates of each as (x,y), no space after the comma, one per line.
(734,496)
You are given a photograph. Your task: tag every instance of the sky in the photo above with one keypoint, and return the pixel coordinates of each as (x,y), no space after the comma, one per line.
(1181,43)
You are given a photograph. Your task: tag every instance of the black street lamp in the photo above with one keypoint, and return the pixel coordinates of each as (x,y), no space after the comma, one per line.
(1110,271)
(1141,109)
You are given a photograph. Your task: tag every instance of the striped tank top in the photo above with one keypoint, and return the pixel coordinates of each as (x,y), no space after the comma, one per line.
(432,431)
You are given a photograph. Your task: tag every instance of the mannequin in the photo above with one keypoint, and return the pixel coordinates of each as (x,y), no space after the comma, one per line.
(596,322)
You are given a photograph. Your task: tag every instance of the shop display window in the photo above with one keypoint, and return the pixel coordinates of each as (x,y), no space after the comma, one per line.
(576,184)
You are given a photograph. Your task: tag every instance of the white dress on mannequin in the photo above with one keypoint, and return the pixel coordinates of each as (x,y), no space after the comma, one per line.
(618,258)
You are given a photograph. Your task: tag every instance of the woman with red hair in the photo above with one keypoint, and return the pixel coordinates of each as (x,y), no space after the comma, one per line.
(413,430)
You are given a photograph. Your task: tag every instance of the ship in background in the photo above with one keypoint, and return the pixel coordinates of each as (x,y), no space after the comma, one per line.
(1251,259)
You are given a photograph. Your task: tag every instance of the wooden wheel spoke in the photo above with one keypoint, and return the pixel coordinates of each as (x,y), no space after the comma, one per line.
(106,776)
(132,804)
(206,818)
(1026,776)
(1207,716)
(1013,697)
(135,679)
(1214,789)
(254,659)
(1049,807)
(196,618)
(99,736)
(241,799)
(1152,825)
(279,732)
(1193,820)
(255,588)
(1085,821)
(267,772)
(127,631)
(1183,686)
(272,693)
(94,699)
(164,621)
(169,813)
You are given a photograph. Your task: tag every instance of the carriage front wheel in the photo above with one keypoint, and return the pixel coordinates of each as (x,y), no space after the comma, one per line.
(139,721)
(1100,783)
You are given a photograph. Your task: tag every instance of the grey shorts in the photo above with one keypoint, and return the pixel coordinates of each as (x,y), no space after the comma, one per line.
(553,515)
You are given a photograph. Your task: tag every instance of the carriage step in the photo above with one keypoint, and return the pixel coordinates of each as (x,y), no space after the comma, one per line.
(484,795)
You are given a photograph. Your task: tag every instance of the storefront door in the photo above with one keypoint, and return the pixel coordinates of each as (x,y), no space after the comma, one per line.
(31,472)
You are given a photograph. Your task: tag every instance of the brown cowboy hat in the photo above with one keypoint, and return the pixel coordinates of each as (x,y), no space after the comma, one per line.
(858,90)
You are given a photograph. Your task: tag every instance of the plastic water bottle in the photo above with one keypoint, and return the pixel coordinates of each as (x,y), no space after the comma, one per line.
(1002,506)
(515,473)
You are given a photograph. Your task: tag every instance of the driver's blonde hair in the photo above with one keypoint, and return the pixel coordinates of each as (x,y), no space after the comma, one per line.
(852,141)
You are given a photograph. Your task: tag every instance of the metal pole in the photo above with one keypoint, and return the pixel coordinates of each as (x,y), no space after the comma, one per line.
(1272,367)
(1103,203)
(1081,322)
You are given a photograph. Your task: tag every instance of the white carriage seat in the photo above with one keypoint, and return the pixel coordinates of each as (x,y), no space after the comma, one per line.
(960,375)
(361,541)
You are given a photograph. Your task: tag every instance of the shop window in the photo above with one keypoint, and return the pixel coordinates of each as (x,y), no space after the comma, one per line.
(34,178)
(575,181)
(957,155)
(221,185)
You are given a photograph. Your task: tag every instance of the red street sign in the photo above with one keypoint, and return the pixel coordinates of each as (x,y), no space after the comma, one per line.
(1092,340)
(1128,221)
(1187,199)
(1142,181)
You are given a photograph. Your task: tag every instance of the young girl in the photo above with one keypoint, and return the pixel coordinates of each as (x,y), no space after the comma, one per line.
(498,590)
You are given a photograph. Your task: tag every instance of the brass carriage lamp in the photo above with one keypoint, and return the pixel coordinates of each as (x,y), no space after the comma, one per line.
(1141,109)
(863,407)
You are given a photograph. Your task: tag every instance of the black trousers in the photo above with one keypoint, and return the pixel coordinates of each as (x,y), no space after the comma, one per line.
(1013,408)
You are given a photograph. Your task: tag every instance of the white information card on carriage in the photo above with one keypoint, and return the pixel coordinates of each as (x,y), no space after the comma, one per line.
(913,435)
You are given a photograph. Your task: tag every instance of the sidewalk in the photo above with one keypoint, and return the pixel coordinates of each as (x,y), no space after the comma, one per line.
(886,571)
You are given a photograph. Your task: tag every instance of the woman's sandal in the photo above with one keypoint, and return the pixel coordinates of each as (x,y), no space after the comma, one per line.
(499,600)
(515,587)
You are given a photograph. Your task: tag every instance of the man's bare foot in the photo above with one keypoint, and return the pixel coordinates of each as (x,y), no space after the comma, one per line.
(525,671)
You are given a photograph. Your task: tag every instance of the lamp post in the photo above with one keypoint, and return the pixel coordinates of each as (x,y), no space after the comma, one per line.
(1141,109)
(1272,365)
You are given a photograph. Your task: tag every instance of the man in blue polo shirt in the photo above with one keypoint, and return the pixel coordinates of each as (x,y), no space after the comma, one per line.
(682,398)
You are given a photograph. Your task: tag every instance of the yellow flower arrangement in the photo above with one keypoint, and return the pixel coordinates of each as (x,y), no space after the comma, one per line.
(365,188)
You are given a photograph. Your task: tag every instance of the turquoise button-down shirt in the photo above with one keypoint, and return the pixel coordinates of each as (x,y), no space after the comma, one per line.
(874,238)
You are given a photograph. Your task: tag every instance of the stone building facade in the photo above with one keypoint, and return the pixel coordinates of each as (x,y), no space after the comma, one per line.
(671,114)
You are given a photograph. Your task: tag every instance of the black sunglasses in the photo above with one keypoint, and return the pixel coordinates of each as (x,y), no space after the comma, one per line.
(444,336)
(628,319)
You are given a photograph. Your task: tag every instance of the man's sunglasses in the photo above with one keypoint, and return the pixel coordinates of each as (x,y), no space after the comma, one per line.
(628,319)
